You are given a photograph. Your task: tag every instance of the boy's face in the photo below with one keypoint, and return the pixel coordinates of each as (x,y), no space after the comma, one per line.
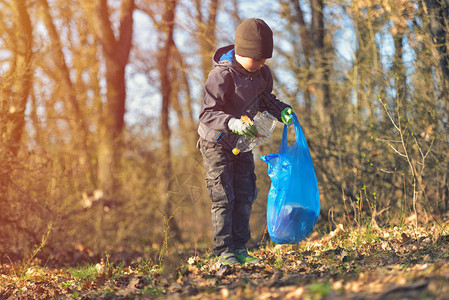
(250,64)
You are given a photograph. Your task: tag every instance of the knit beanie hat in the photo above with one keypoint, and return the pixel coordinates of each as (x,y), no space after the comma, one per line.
(254,38)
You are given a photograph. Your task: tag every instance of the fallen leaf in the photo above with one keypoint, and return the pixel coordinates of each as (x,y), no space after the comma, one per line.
(100,280)
(131,288)
(297,293)
(405,237)
(87,285)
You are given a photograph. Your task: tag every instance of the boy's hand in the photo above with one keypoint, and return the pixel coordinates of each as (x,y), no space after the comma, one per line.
(242,128)
(286,116)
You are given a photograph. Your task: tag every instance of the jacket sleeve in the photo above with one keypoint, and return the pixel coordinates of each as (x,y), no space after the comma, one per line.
(269,102)
(218,86)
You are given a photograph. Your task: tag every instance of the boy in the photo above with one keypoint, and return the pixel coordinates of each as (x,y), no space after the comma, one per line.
(240,84)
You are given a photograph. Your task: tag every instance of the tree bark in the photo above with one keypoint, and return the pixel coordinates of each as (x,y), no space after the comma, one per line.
(438,12)
(322,69)
(14,92)
(21,79)
(116,54)
(207,36)
(168,22)
(315,53)
(307,48)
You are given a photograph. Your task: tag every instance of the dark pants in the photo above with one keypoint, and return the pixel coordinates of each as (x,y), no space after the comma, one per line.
(231,183)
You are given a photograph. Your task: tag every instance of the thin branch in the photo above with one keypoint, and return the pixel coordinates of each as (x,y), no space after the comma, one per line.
(397,151)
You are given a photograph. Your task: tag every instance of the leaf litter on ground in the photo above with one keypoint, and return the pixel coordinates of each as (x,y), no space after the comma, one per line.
(360,263)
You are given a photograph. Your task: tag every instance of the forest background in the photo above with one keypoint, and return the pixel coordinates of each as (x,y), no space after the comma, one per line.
(99,104)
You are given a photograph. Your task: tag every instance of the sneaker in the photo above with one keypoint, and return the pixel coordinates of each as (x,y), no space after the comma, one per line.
(228,259)
(244,257)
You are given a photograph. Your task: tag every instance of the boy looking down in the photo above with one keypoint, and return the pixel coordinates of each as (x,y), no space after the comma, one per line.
(239,84)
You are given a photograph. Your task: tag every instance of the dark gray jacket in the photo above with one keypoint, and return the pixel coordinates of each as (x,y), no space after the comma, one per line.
(232,91)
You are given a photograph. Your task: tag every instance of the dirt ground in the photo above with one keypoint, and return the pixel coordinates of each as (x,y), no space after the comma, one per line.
(407,262)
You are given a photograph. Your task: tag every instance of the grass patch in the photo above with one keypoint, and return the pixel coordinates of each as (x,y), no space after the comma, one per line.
(84,273)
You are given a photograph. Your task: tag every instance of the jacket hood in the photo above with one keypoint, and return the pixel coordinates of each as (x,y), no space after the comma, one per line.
(223,57)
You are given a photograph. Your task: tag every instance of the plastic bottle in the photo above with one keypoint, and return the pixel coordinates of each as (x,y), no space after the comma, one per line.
(265,124)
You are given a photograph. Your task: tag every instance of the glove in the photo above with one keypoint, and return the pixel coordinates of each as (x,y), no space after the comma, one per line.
(242,128)
(286,116)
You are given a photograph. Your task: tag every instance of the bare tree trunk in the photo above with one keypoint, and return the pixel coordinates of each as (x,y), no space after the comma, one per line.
(166,87)
(164,63)
(207,34)
(307,48)
(399,73)
(21,78)
(116,54)
(14,92)
(438,12)
(316,60)
(322,68)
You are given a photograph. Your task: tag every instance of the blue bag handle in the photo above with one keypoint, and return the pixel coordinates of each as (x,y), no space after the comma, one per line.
(298,133)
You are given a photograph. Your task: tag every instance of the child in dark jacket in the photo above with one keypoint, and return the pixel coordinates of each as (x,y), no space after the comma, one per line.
(240,84)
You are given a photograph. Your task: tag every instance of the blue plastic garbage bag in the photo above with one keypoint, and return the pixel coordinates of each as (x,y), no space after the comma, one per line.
(293,202)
